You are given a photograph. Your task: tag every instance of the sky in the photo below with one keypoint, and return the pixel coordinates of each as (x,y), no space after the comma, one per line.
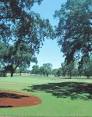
(50,52)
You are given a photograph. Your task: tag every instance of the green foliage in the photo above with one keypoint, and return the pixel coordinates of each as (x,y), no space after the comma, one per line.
(22,32)
(86,68)
(45,69)
(35,69)
(57,72)
(74,30)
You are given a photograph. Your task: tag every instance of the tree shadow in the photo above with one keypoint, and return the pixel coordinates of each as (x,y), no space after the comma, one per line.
(74,90)
(6,106)
(11,95)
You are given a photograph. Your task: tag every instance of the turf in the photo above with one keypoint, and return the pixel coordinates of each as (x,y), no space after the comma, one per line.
(51,105)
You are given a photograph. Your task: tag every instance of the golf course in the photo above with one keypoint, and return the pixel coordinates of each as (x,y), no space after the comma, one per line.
(45,58)
(59,97)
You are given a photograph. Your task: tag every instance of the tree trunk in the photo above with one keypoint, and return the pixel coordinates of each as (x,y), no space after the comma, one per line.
(88,77)
(70,75)
(20,73)
(10,69)
(12,72)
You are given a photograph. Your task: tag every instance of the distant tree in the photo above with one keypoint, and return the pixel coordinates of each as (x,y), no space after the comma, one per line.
(75,72)
(69,69)
(85,68)
(22,33)
(42,71)
(57,72)
(54,72)
(35,69)
(88,70)
(23,68)
(64,70)
(46,69)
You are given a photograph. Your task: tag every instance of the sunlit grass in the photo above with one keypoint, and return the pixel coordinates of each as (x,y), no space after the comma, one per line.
(51,106)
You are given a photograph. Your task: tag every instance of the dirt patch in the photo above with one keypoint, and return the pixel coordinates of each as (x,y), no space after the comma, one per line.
(14,99)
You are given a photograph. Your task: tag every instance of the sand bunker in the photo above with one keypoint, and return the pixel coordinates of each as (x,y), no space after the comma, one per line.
(14,99)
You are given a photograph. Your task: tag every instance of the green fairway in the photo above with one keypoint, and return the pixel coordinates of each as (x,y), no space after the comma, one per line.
(51,105)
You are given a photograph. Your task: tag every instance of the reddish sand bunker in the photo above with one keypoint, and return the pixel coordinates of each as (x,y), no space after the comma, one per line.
(13,99)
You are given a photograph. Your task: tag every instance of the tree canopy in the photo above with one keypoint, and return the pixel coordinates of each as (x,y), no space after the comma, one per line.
(74,30)
(22,32)
(45,69)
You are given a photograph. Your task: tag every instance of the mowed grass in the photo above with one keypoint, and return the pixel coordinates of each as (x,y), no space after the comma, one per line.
(51,106)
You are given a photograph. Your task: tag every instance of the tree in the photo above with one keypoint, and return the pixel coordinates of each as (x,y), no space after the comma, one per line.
(35,69)
(69,69)
(23,69)
(86,67)
(64,70)
(46,69)
(59,72)
(54,72)
(88,70)
(22,33)
(74,30)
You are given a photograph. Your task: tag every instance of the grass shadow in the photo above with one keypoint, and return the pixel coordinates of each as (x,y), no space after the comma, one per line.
(74,90)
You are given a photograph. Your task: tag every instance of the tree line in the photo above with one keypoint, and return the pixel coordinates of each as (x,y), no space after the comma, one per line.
(22,34)
(45,69)
(65,71)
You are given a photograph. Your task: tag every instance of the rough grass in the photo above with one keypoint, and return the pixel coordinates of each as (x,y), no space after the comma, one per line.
(51,106)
